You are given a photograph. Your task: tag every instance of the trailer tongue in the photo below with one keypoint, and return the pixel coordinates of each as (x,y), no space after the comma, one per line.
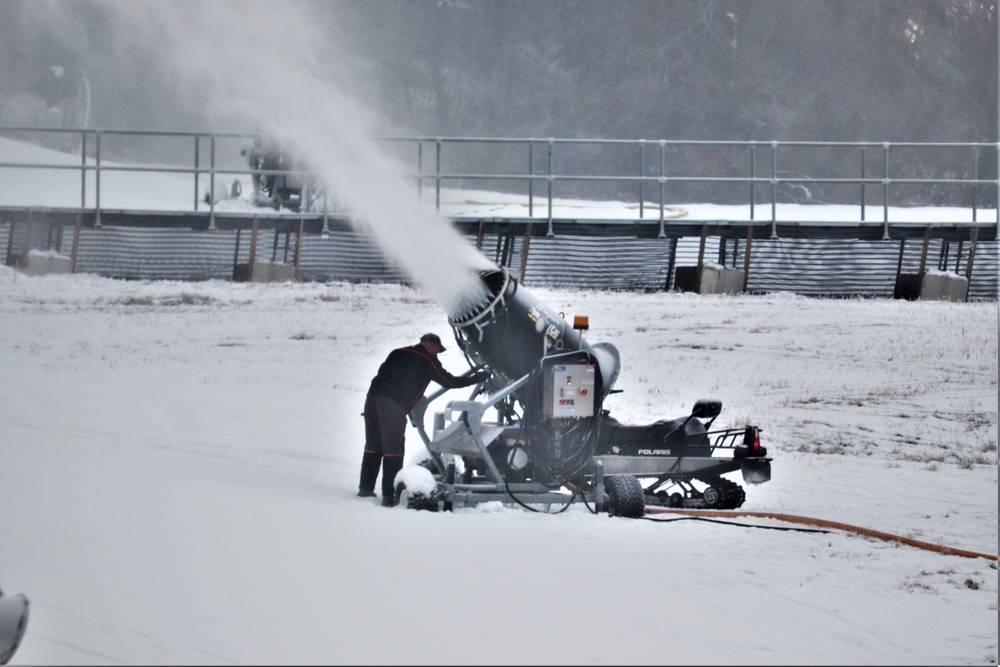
(537,431)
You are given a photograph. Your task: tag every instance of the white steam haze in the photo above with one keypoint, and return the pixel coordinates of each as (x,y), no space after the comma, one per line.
(277,65)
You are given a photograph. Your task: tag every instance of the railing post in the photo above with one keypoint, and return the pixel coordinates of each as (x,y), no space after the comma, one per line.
(252,259)
(437,175)
(642,177)
(662,180)
(76,242)
(924,250)
(22,263)
(899,261)
(524,251)
(746,257)
(942,264)
(97,179)
(753,178)
(701,254)
(975,177)
(326,217)
(83,169)
(864,150)
(211,183)
(420,170)
(549,179)
(774,189)
(974,240)
(197,163)
(298,248)
(531,180)
(885,189)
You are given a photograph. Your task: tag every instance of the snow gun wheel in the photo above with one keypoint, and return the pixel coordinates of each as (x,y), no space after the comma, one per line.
(625,496)
(415,500)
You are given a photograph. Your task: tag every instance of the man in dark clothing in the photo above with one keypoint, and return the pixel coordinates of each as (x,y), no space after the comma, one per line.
(400,382)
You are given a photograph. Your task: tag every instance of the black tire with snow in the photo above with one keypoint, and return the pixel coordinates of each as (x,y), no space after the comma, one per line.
(625,496)
(415,500)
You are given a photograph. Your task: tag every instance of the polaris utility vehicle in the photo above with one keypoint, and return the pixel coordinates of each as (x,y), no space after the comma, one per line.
(537,431)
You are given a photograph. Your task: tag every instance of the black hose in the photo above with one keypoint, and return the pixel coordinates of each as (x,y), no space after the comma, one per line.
(733,523)
(517,500)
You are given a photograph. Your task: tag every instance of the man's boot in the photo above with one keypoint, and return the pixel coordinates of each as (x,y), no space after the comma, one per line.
(369,473)
(390,466)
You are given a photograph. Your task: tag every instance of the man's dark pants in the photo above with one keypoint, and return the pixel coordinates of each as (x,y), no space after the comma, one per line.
(385,431)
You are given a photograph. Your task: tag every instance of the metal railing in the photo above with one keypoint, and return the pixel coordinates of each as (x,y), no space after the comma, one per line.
(662,178)
(91,149)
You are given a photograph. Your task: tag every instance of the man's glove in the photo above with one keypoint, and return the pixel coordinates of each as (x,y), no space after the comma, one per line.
(479,376)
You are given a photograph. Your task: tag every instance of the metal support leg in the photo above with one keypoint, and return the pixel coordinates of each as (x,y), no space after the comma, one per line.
(599,488)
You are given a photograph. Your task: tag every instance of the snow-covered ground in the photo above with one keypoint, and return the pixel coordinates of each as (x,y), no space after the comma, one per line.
(180,462)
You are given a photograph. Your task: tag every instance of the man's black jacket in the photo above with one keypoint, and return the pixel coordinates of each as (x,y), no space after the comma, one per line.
(406,372)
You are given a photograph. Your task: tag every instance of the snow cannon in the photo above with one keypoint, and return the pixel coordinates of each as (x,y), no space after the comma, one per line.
(510,331)
(538,428)
(565,378)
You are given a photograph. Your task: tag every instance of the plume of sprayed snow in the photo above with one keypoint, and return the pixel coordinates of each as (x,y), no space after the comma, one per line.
(275,64)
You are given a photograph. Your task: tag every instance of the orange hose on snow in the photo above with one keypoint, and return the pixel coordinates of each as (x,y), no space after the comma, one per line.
(792,518)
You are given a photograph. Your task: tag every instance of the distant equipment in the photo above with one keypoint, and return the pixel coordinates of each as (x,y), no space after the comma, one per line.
(278,180)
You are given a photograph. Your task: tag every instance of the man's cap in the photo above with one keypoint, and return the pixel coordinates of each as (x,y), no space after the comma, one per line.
(433,338)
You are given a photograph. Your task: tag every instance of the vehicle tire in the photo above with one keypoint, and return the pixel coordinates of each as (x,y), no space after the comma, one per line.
(625,496)
(415,500)
(676,500)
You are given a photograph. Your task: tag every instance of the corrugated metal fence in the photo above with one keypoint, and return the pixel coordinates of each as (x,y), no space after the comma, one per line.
(808,266)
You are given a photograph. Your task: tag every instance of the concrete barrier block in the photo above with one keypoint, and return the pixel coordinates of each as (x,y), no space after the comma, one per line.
(709,281)
(907,286)
(269,272)
(713,279)
(731,281)
(39,263)
(944,286)
(717,279)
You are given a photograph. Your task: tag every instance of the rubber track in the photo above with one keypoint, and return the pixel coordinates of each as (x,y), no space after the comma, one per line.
(792,518)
